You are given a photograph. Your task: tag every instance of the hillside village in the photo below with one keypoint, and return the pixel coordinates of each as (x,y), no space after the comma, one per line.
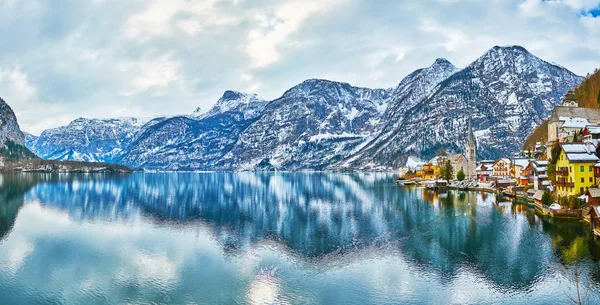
(560,176)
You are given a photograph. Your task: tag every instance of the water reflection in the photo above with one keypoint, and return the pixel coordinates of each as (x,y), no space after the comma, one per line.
(324,221)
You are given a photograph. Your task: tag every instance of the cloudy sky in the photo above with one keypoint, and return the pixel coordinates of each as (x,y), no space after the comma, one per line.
(64,59)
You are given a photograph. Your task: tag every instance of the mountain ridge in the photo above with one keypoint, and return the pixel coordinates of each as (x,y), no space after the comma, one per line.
(323,124)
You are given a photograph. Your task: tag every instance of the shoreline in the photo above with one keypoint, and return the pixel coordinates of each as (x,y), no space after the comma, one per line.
(540,211)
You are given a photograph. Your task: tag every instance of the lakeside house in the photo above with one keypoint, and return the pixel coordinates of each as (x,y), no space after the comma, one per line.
(591,134)
(540,174)
(525,176)
(484,170)
(501,168)
(517,165)
(575,168)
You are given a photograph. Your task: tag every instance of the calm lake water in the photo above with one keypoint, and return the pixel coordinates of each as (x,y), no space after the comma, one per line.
(279,238)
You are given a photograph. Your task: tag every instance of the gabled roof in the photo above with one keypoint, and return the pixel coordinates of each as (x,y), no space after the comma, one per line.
(593,129)
(506,160)
(579,152)
(577,148)
(574,122)
(455,158)
(594,192)
(582,158)
(592,115)
(522,162)
(541,162)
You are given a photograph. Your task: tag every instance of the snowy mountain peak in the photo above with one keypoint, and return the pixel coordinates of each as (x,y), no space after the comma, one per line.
(248,104)
(442,62)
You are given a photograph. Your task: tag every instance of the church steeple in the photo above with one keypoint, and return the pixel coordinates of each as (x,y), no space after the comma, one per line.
(470,136)
(470,152)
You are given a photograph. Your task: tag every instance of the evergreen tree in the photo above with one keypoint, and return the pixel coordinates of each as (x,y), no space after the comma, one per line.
(460,176)
(547,198)
(447,171)
(554,152)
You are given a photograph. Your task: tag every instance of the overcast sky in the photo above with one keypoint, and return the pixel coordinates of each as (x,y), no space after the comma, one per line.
(64,59)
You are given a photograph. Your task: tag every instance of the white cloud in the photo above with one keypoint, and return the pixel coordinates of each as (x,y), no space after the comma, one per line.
(160,17)
(15,85)
(264,42)
(154,74)
(165,57)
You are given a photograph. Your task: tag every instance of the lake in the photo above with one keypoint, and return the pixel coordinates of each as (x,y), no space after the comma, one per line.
(280,238)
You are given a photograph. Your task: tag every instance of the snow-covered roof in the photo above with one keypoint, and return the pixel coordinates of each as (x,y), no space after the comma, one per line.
(521,162)
(577,148)
(593,129)
(547,182)
(540,162)
(505,160)
(575,122)
(582,157)
(544,176)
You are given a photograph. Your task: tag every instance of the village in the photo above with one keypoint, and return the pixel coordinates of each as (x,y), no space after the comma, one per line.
(560,178)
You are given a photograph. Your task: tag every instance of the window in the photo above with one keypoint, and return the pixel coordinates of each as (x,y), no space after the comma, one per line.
(581,190)
(591,168)
(591,179)
(582,180)
(581,168)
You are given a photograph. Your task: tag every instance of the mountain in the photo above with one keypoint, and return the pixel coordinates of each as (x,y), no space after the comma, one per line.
(313,124)
(508,92)
(322,124)
(12,140)
(411,90)
(90,140)
(9,128)
(197,142)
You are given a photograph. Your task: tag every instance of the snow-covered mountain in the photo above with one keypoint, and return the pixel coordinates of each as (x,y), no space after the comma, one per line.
(411,90)
(507,92)
(91,140)
(313,124)
(197,142)
(321,124)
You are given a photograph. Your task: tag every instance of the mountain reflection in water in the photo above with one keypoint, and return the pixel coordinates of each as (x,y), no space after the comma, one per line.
(326,223)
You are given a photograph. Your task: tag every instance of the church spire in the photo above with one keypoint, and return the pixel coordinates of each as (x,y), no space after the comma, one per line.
(470,137)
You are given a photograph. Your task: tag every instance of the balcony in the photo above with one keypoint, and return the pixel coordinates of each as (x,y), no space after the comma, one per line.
(564,183)
(562,171)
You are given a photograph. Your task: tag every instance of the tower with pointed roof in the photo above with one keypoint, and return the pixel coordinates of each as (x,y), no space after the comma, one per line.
(471,153)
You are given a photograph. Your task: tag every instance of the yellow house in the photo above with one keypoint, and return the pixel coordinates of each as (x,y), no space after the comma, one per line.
(430,171)
(575,169)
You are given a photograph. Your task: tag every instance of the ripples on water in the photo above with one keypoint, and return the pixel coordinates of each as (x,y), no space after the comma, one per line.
(278,238)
